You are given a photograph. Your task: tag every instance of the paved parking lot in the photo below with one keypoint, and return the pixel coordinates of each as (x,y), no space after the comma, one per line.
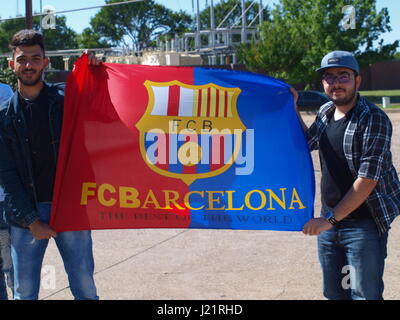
(212,264)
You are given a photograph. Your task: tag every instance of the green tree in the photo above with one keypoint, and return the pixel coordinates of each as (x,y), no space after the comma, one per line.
(60,38)
(7,29)
(88,39)
(7,75)
(301,32)
(178,22)
(137,24)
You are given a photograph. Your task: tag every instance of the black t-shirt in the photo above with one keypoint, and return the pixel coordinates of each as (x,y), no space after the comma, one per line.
(36,114)
(336,176)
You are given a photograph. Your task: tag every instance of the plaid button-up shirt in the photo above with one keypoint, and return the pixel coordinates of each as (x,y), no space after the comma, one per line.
(366,146)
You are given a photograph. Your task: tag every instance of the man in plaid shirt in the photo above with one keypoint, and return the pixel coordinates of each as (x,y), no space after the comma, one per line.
(360,189)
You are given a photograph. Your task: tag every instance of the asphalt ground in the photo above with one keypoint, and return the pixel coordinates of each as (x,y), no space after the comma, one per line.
(191,264)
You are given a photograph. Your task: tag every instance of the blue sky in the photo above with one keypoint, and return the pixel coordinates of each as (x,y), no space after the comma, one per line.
(80,20)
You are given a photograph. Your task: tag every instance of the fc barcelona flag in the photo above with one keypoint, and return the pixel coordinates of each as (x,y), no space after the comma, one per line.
(180,147)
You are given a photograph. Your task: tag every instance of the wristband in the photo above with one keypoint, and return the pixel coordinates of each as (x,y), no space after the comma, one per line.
(330,217)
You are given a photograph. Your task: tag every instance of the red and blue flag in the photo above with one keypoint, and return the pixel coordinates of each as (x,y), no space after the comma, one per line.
(180,147)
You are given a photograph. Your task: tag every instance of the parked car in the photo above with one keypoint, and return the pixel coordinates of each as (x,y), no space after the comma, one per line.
(311,100)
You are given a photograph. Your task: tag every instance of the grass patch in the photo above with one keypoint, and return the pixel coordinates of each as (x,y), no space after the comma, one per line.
(375,96)
(392,106)
(380,93)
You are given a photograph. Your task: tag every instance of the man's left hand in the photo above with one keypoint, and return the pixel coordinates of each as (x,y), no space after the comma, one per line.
(315,226)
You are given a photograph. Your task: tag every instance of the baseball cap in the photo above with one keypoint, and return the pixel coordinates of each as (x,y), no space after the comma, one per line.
(339,59)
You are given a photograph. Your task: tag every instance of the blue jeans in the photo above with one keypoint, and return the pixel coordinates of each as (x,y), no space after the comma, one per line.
(352,257)
(3,287)
(6,268)
(27,253)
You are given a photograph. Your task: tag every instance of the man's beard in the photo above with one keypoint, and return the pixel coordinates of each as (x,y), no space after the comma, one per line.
(32,81)
(347,99)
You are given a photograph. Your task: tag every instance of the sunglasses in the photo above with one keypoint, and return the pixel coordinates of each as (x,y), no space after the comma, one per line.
(342,78)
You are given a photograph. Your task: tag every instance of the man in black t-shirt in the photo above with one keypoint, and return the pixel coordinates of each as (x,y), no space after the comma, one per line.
(30,130)
(360,189)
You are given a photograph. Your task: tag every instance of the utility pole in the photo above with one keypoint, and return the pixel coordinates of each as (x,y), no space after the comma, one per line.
(213,58)
(244,22)
(40,24)
(198,39)
(261,12)
(212,16)
(28,19)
